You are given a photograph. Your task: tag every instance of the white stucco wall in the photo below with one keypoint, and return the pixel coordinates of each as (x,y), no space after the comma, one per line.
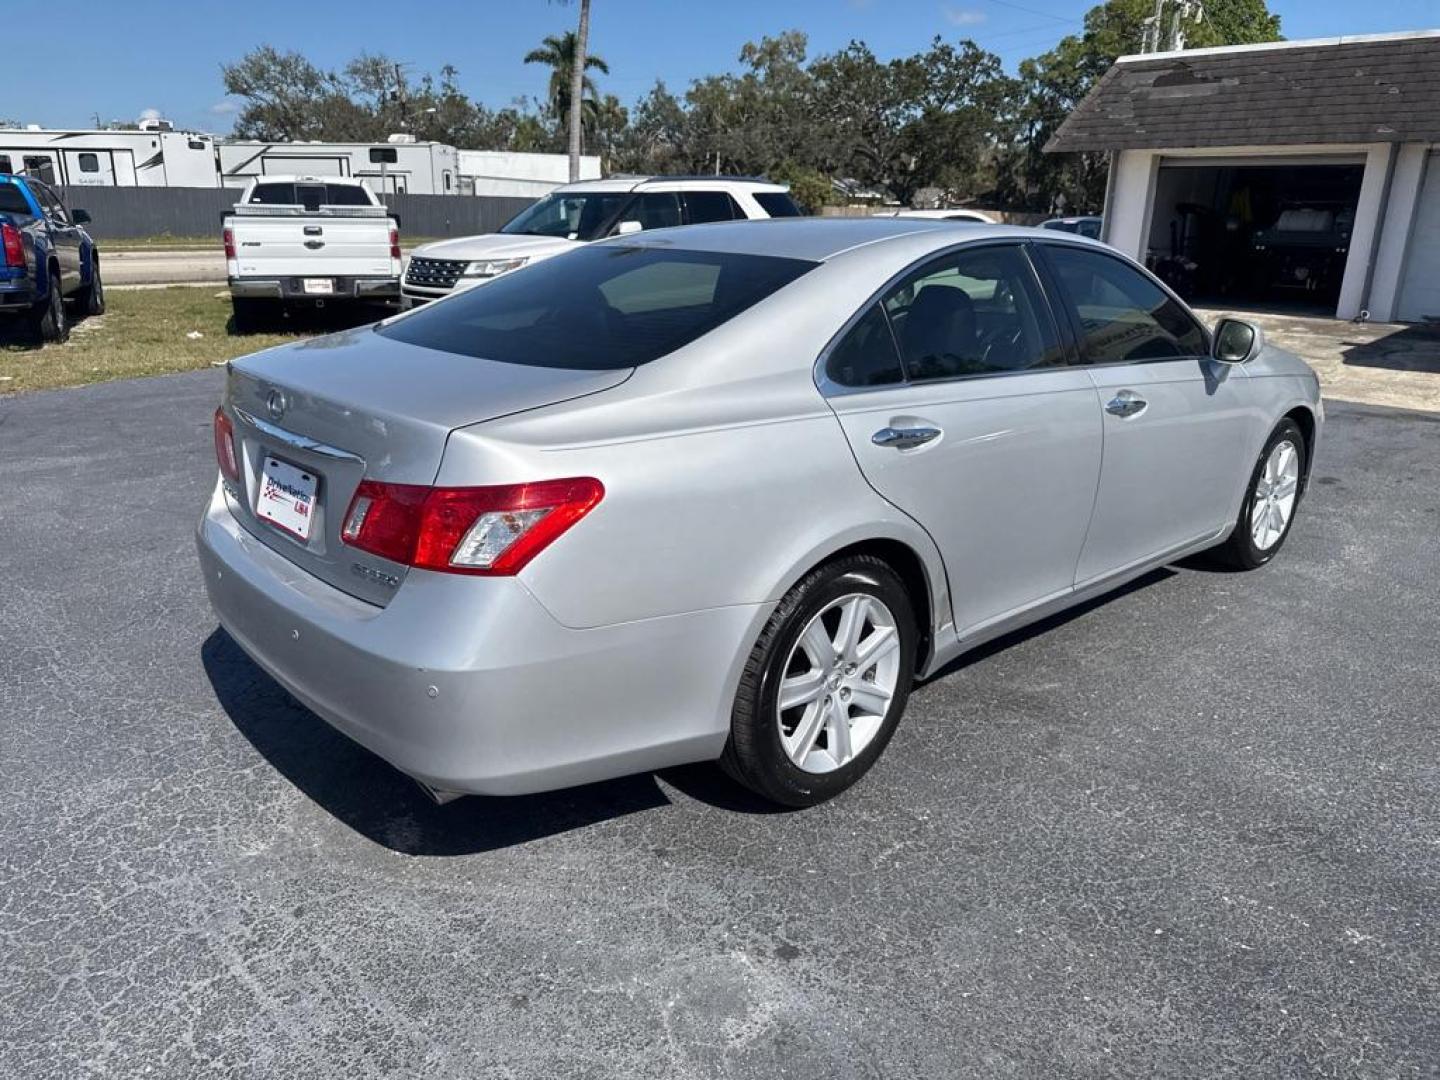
(1390,260)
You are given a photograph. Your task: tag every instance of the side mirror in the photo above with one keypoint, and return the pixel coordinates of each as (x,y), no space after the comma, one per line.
(81,217)
(1236,341)
(629,228)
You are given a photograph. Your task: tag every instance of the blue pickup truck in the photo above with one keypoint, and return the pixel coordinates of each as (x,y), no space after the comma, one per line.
(46,259)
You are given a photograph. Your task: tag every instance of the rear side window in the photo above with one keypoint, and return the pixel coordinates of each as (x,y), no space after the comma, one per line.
(1124,316)
(976,312)
(778,204)
(704,206)
(599,308)
(866,356)
(89,163)
(12,200)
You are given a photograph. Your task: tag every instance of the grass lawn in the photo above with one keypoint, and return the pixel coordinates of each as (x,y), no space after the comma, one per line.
(143,332)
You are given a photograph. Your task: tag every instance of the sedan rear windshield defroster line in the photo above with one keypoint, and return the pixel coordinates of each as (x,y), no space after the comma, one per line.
(598,309)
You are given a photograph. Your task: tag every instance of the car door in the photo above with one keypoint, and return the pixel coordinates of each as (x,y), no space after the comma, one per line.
(954,393)
(64,236)
(1177,434)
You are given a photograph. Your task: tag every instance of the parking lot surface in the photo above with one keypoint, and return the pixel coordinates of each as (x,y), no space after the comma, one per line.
(1193,830)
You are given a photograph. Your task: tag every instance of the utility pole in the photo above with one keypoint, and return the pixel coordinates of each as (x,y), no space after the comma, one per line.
(1164,31)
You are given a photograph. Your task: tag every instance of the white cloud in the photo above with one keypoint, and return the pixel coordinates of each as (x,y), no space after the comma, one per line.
(225,107)
(956,16)
(151,114)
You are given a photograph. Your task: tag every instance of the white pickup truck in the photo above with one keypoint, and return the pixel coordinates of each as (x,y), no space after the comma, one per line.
(309,240)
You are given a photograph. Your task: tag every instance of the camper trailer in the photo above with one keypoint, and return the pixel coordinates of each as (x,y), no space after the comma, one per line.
(398,166)
(159,157)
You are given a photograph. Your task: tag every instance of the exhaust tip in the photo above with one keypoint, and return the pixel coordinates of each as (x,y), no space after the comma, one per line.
(439,796)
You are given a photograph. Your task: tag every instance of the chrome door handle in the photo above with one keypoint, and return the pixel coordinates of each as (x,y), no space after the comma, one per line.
(904,438)
(1126,403)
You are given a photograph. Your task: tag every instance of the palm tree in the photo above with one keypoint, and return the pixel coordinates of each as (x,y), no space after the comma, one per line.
(571,90)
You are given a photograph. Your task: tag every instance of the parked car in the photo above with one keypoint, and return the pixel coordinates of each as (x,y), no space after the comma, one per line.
(724,492)
(1080,226)
(47,259)
(578,214)
(311,241)
(953,214)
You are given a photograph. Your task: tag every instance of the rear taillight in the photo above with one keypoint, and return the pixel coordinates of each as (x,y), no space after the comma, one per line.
(14,245)
(229,243)
(469,530)
(225,447)
(395,243)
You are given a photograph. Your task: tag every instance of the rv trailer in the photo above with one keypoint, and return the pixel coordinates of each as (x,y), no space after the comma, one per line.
(398,166)
(151,158)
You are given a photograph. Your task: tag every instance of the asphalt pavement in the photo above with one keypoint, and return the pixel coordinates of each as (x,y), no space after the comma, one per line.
(1190,831)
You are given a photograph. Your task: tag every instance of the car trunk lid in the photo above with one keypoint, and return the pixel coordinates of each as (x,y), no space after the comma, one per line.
(357,405)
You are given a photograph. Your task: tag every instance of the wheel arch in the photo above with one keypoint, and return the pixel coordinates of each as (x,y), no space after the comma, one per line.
(915,561)
(1304,418)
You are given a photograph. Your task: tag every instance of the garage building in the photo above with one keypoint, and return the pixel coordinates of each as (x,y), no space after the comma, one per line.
(1297,173)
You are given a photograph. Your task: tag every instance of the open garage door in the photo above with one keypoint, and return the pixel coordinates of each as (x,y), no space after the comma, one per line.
(1271,232)
(1420,288)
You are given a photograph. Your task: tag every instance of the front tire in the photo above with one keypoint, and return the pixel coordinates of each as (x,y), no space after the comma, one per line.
(826,684)
(91,299)
(1271,501)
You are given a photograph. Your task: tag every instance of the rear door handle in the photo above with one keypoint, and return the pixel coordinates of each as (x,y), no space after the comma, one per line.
(904,438)
(1126,403)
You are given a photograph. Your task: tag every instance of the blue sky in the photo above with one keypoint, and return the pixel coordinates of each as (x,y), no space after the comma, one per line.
(121,57)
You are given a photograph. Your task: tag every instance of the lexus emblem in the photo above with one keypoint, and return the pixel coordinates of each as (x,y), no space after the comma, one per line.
(275,404)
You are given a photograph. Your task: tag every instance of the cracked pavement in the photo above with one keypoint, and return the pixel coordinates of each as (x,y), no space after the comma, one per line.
(1193,830)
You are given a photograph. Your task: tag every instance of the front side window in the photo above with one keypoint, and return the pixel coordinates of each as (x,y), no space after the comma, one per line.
(1124,317)
(976,312)
(866,355)
(654,210)
(575,216)
(598,308)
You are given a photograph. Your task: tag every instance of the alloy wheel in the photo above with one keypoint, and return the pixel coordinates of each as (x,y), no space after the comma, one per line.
(838,683)
(1276,489)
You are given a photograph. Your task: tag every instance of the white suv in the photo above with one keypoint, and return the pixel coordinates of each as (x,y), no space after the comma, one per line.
(577,214)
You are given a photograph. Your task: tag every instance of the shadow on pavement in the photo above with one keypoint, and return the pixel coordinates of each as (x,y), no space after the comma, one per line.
(385,806)
(1060,618)
(1415,348)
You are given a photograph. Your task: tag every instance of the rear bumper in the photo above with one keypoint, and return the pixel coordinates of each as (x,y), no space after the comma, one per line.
(467,683)
(293,289)
(16,296)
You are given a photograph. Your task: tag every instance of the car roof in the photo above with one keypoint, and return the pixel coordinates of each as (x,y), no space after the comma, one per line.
(694,183)
(818,239)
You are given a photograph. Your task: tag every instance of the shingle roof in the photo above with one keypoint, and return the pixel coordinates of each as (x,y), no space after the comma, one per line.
(1365,90)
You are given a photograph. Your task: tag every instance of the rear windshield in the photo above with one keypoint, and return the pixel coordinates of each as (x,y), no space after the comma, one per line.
(777,204)
(310,196)
(599,308)
(12,200)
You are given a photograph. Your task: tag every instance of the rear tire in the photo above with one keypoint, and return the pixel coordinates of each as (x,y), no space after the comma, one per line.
(248,315)
(47,318)
(1271,501)
(801,755)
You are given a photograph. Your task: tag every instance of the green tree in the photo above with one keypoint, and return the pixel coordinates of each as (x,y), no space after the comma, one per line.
(558,53)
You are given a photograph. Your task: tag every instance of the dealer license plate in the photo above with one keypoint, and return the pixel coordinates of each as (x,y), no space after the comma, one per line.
(287,497)
(319,286)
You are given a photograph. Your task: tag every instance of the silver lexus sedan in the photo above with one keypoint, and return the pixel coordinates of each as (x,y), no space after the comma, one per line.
(725,492)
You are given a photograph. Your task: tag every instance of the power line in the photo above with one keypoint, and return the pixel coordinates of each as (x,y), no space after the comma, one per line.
(1034,11)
